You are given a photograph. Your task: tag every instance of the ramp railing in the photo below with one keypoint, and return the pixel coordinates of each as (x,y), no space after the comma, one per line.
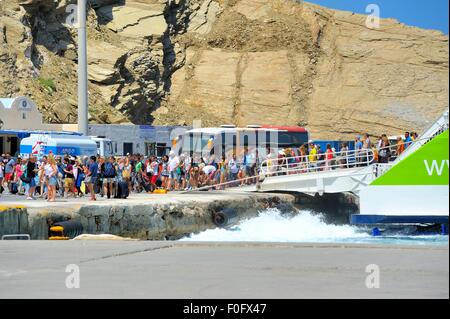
(295,165)
(310,163)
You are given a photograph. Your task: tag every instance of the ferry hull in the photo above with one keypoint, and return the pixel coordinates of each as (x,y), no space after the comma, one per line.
(403,204)
(395,219)
(414,191)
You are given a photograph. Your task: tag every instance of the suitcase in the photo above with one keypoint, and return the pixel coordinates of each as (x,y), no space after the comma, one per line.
(14,188)
(122,190)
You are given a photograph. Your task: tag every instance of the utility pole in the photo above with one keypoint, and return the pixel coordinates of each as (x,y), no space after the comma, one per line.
(83,100)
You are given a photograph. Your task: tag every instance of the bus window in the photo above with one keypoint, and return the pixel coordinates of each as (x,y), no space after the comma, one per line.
(108,148)
(248,139)
(292,139)
(160,149)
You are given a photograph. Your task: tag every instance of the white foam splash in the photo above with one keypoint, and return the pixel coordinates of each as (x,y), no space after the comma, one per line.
(270,226)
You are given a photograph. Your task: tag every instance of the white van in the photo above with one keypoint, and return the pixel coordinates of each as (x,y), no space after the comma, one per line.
(58,144)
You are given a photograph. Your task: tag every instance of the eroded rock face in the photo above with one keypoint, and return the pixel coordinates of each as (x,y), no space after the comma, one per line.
(240,61)
(285,63)
(390,79)
(38,58)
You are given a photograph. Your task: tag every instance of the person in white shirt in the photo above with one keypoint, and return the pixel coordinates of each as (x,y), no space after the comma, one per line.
(173,165)
(233,168)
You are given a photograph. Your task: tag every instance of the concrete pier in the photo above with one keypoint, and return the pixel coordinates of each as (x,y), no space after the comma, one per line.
(167,269)
(141,216)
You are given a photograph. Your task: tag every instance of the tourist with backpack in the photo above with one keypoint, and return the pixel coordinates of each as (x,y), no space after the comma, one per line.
(109,176)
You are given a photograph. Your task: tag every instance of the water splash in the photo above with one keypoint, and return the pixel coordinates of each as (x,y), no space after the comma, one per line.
(306,227)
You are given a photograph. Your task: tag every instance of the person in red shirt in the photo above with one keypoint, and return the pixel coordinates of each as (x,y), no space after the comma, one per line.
(328,157)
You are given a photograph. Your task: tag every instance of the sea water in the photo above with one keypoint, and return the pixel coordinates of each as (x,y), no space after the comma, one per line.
(306,227)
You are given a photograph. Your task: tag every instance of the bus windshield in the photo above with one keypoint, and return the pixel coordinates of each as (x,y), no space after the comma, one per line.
(196,142)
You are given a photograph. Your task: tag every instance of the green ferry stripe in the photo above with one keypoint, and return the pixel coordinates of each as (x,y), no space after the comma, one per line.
(427,166)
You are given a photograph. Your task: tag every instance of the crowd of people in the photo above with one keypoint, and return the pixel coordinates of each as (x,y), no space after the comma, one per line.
(115,177)
(311,157)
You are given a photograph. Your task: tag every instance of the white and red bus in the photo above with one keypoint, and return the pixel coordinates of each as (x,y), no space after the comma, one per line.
(229,139)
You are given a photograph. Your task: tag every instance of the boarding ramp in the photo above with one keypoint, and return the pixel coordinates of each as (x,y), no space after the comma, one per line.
(349,171)
(320,182)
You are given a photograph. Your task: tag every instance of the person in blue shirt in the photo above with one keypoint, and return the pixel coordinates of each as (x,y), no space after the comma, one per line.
(408,139)
(358,149)
(92,175)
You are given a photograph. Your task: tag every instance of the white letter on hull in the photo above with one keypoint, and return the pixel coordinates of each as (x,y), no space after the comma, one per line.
(435,167)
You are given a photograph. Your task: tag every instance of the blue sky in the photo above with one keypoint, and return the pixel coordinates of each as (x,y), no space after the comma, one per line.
(428,14)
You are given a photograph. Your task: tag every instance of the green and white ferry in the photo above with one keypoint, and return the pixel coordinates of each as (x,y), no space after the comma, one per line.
(414,188)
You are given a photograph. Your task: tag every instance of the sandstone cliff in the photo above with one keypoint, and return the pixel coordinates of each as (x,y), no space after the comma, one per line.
(227,61)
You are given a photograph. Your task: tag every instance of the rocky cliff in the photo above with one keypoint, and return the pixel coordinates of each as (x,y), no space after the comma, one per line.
(226,61)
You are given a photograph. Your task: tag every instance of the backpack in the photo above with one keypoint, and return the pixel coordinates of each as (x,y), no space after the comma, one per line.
(109,170)
(14,188)
(24,178)
(61,173)
(126,172)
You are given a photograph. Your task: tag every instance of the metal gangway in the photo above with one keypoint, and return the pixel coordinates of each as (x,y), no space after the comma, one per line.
(349,171)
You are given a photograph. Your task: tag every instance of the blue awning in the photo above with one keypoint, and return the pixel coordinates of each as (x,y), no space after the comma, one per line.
(23,133)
